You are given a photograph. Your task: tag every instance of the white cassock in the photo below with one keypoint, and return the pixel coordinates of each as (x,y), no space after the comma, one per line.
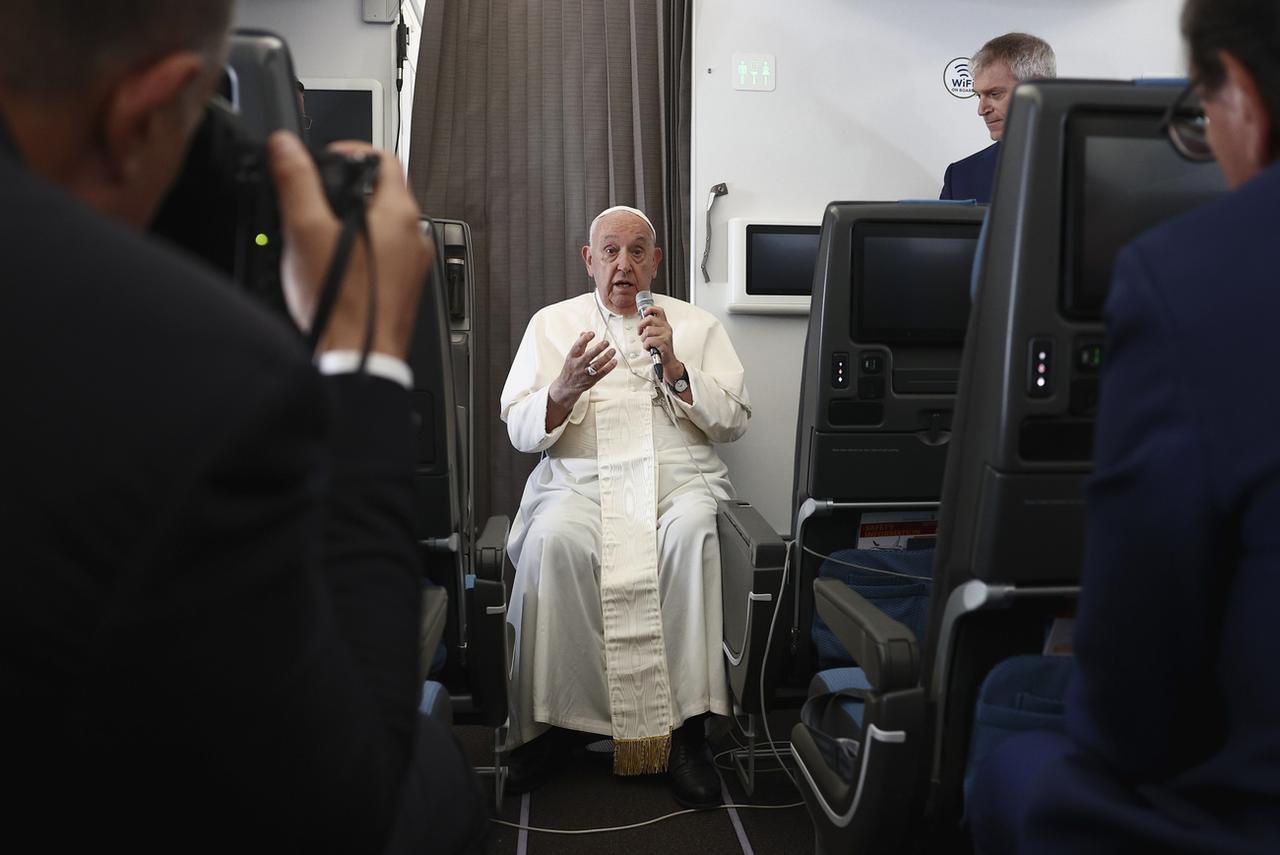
(617,492)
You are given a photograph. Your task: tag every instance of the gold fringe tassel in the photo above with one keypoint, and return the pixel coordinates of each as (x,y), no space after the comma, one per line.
(646,756)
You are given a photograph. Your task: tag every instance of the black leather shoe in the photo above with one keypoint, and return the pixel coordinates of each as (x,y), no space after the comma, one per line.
(530,765)
(694,782)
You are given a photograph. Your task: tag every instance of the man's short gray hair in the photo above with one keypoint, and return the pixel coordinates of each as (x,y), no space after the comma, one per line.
(1028,57)
(616,209)
(56,47)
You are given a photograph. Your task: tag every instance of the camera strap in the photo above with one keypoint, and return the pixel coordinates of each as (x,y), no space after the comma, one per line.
(371,268)
(354,224)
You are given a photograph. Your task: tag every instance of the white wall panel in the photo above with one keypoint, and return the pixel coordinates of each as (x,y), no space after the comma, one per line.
(859,112)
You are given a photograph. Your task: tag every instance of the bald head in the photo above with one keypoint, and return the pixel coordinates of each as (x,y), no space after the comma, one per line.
(58,48)
(102,97)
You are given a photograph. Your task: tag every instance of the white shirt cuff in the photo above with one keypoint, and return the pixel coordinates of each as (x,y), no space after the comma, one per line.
(377,365)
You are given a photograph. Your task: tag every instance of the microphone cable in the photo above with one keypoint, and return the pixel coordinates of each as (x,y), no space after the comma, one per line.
(664,394)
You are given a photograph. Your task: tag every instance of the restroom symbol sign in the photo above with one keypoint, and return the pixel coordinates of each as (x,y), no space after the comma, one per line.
(754,72)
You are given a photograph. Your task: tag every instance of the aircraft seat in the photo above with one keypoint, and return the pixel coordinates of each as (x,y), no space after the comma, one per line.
(469,564)
(856,748)
(1084,167)
(1020,693)
(435,605)
(882,355)
(435,703)
(897,582)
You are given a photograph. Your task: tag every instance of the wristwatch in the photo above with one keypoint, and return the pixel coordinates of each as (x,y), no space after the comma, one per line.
(681,383)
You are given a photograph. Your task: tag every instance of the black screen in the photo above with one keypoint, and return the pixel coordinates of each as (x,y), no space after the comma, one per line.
(1123,177)
(339,114)
(781,259)
(911,281)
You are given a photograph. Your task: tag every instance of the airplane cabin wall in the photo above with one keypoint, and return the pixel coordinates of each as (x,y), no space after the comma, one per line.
(328,38)
(859,112)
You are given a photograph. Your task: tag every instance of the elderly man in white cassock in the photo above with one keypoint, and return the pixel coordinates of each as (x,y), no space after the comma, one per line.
(616,602)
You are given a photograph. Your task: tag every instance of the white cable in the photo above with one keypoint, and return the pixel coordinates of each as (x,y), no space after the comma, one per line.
(669,409)
(522,842)
(784,743)
(664,394)
(914,578)
(640,824)
(768,642)
(786,746)
(618,351)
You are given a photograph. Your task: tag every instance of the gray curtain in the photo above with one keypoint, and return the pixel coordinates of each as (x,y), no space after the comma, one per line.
(529,118)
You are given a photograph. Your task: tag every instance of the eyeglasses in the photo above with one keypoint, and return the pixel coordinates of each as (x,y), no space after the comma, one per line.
(1187,126)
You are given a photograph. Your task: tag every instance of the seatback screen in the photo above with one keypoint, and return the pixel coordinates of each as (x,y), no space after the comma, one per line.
(781,259)
(1122,178)
(911,281)
(339,114)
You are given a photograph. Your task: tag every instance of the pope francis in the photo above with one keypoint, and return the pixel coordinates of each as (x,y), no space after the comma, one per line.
(615,610)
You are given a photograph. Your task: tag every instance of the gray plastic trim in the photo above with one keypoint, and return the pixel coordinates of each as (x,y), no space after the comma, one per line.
(752,597)
(873,735)
(972,596)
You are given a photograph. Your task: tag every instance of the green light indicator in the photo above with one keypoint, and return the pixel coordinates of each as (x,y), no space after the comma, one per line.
(262,239)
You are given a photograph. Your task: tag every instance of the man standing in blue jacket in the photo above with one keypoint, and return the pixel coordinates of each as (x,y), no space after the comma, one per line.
(1173,718)
(997,67)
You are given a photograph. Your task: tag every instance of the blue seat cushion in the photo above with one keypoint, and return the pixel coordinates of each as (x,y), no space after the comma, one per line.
(439,659)
(843,717)
(1020,693)
(902,593)
(835,720)
(435,703)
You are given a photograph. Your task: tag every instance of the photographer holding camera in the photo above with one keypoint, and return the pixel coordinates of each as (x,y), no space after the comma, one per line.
(209,590)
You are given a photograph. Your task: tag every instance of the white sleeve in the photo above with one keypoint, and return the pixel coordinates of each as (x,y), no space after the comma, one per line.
(721,406)
(376,365)
(524,395)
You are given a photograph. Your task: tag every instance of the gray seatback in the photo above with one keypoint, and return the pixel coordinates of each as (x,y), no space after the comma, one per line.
(876,404)
(1084,166)
(878,386)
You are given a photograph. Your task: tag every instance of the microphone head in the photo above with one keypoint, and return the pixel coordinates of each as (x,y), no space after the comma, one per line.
(644,301)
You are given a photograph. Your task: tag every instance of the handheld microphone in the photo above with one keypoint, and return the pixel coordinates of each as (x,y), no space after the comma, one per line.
(402,45)
(644,302)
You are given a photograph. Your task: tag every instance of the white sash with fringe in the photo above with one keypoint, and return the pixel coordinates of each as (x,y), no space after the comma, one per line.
(640,706)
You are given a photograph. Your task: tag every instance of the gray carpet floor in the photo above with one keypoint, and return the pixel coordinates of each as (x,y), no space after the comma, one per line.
(585,794)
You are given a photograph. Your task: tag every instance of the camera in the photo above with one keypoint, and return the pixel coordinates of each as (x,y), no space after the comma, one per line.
(223,206)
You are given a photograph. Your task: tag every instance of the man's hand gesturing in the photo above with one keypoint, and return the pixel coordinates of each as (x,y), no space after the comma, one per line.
(584,367)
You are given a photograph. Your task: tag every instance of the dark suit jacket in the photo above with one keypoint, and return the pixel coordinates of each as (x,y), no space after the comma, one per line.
(973,177)
(1174,718)
(209,593)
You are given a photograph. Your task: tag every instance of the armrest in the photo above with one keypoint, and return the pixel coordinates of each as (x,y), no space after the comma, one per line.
(886,650)
(751,560)
(435,604)
(764,547)
(491,548)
